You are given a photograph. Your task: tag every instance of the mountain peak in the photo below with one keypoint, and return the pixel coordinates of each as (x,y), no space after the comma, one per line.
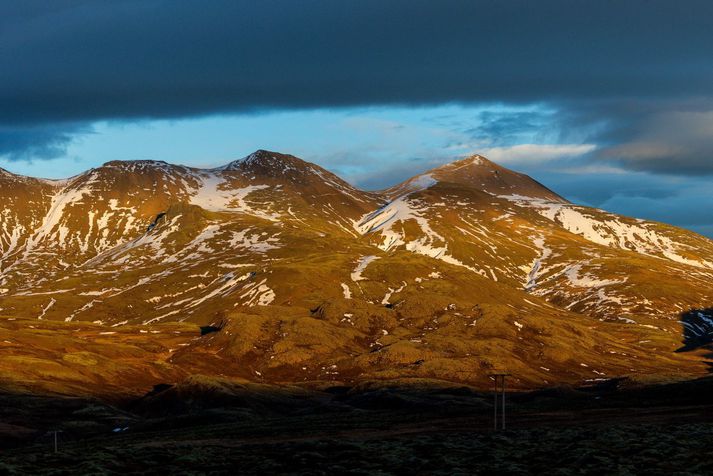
(261,155)
(478,172)
(474,159)
(263,159)
(131,164)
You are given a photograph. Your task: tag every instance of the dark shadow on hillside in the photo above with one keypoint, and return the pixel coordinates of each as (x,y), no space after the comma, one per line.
(203,426)
(213,426)
(697,328)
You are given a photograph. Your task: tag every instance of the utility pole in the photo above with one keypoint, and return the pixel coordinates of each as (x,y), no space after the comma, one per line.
(55,435)
(504,401)
(499,390)
(495,404)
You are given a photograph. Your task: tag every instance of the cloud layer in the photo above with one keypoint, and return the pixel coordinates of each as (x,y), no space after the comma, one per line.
(78,60)
(622,85)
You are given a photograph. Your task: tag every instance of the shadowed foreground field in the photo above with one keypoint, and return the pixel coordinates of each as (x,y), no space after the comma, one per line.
(621,449)
(612,429)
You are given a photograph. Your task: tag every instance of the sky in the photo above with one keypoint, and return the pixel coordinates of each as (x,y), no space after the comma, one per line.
(607,102)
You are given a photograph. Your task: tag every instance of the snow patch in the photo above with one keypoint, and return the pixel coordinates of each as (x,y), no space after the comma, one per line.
(213,195)
(611,230)
(361,266)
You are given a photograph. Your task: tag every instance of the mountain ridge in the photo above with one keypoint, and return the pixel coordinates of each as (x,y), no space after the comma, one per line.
(457,271)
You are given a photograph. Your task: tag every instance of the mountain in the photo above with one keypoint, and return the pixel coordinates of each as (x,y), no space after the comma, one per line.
(297,276)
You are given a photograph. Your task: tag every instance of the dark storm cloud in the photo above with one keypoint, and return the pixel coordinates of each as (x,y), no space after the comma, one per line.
(85,60)
(674,140)
(77,61)
(667,136)
(38,142)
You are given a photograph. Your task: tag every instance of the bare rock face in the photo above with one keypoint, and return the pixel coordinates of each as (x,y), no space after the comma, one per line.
(464,270)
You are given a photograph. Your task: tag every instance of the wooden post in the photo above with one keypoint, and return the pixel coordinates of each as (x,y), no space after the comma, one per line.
(55,441)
